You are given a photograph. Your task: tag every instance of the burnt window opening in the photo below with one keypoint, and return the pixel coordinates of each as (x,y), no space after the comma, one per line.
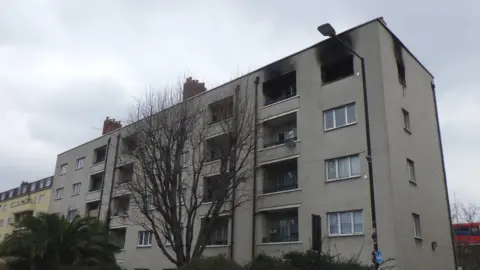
(100,154)
(280,88)
(401,72)
(337,70)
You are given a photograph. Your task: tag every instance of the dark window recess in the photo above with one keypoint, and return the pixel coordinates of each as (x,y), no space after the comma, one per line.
(214,189)
(96,182)
(280,88)
(100,154)
(401,72)
(339,69)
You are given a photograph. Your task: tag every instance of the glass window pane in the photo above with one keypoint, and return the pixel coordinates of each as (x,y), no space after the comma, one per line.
(358,222)
(346,222)
(343,167)
(351,113)
(328,118)
(340,117)
(331,170)
(355,165)
(333,223)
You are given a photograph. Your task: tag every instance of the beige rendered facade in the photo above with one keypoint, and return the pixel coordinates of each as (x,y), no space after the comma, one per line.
(311,161)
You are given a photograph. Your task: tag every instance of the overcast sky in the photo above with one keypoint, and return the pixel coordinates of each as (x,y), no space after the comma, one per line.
(66,65)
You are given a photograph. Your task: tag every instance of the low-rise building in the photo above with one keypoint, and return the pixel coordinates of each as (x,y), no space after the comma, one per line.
(27,199)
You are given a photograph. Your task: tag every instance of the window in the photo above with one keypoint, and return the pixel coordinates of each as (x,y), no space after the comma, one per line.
(9,220)
(406,120)
(100,154)
(148,203)
(3,196)
(340,117)
(1,222)
(48,182)
(280,88)
(144,239)
(411,171)
(76,188)
(59,193)
(417,230)
(24,189)
(336,70)
(80,162)
(184,159)
(345,223)
(41,184)
(63,169)
(71,214)
(32,187)
(40,198)
(342,168)
(96,181)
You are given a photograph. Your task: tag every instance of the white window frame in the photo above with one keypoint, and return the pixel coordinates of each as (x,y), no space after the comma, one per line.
(32,187)
(350,175)
(41,197)
(48,182)
(41,184)
(411,171)
(144,241)
(58,194)
(63,169)
(417,226)
(407,125)
(71,217)
(184,159)
(149,204)
(82,160)
(334,117)
(337,216)
(24,189)
(74,191)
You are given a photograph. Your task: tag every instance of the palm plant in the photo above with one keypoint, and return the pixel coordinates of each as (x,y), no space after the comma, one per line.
(50,241)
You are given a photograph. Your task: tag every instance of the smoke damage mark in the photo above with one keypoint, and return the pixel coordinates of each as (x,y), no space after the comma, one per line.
(335,60)
(278,69)
(331,49)
(398,52)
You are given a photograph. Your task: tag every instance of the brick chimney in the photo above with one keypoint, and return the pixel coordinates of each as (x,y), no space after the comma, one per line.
(192,88)
(110,125)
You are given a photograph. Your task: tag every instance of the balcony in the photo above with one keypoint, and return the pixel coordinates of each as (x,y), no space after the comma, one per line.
(220,110)
(120,205)
(280,176)
(94,187)
(280,88)
(91,209)
(124,174)
(279,226)
(117,237)
(280,138)
(17,217)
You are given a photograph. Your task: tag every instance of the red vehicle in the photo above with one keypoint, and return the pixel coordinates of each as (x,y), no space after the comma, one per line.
(467,233)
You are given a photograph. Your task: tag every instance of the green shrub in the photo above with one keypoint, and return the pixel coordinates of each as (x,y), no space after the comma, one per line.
(264,262)
(212,263)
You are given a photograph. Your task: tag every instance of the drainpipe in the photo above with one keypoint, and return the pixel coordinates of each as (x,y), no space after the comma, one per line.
(255,138)
(444,174)
(103,176)
(108,217)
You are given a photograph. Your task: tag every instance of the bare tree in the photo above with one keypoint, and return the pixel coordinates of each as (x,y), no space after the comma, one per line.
(468,252)
(192,163)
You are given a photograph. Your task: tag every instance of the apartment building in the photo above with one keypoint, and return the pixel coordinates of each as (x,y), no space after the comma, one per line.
(26,200)
(311,165)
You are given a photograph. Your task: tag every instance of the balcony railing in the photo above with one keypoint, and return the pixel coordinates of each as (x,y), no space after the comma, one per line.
(277,188)
(279,142)
(286,94)
(280,238)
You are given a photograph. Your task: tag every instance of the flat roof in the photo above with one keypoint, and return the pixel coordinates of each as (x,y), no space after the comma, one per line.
(379,19)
